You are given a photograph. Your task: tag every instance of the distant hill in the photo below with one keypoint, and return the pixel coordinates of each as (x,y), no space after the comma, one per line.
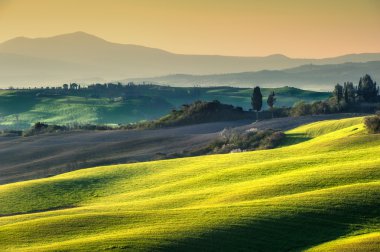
(202,112)
(317,77)
(83,57)
(19,109)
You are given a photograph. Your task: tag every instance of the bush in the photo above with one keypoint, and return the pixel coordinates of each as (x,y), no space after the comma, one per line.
(272,140)
(372,124)
(43,128)
(279,112)
(320,107)
(233,140)
(300,109)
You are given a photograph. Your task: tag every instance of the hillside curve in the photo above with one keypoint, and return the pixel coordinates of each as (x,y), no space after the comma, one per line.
(51,154)
(321,193)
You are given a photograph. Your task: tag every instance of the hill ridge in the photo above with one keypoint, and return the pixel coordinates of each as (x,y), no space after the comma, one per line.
(99,58)
(262,199)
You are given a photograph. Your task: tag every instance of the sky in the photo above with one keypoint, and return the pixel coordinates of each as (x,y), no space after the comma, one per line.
(296,28)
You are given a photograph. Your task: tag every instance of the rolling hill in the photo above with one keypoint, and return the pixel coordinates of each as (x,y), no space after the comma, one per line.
(323,200)
(19,109)
(315,77)
(40,156)
(85,58)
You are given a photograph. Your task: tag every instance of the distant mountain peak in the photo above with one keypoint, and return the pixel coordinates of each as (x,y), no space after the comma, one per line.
(16,40)
(78,36)
(278,55)
(79,33)
(80,55)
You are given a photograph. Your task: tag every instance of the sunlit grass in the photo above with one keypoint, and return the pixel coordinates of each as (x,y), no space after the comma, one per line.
(320,194)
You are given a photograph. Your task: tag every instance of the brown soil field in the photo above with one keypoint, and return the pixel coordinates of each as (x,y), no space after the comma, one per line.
(24,158)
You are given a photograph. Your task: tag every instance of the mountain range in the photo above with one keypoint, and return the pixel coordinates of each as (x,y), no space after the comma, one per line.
(85,58)
(312,77)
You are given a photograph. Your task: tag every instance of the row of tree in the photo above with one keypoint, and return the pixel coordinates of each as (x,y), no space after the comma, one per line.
(365,91)
(347,95)
(257,101)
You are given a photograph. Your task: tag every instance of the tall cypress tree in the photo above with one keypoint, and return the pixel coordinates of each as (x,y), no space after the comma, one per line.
(345,92)
(349,92)
(338,93)
(367,90)
(271,101)
(257,101)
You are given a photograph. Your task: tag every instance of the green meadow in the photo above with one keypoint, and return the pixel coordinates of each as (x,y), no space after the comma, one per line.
(319,192)
(19,109)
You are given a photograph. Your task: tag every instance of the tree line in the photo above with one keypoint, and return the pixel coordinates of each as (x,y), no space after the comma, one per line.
(115,90)
(365,91)
(345,98)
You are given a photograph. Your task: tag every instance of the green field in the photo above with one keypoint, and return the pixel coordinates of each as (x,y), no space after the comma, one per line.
(20,109)
(322,194)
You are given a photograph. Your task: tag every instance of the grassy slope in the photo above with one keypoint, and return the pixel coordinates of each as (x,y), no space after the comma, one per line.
(286,96)
(321,194)
(74,109)
(71,109)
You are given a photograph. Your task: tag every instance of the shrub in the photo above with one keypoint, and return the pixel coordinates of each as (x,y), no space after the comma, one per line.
(249,140)
(281,112)
(42,128)
(273,140)
(233,141)
(320,107)
(300,109)
(372,123)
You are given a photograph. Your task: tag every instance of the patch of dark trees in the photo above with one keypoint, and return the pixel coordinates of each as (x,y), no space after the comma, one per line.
(346,98)
(206,112)
(44,128)
(116,91)
(200,112)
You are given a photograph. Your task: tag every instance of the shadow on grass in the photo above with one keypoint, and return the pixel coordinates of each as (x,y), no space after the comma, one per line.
(38,211)
(17,103)
(292,139)
(288,231)
(52,195)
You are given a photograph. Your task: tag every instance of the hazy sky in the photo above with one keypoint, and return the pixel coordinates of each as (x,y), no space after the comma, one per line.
(297,28)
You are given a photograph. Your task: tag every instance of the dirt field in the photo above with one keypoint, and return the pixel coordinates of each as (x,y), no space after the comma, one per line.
(23,158)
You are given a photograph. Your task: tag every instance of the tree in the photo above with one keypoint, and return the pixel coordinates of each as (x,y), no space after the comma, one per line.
(349,92)
(271,101)
(338,93)
(257,101)
(73,86)
(367,90)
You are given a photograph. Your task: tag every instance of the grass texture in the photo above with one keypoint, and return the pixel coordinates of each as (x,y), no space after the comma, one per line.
(321,194)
